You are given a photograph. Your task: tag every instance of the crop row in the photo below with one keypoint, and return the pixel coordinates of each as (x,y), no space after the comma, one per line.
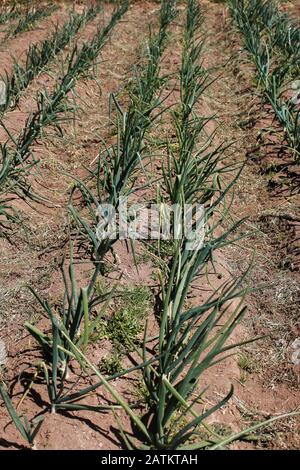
(16,155)
(265,31)
(9,13)
(38,56)
(31,17)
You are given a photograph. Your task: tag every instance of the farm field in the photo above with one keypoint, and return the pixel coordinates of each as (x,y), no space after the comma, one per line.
(150,225)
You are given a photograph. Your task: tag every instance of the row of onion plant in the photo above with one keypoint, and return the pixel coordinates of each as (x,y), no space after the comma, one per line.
(191,338)
(17,157)
(284,33)
(31,17)
(8,13)
(274,74)
(39,55)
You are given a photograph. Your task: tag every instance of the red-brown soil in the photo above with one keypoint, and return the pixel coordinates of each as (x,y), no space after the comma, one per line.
(266,381)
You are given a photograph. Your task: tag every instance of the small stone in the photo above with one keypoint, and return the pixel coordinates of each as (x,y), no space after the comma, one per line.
(2,92)
(296,358)
(296,344)
(3,353)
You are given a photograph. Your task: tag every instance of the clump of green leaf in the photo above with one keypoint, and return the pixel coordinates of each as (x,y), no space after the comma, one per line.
(128,320)
(111,364)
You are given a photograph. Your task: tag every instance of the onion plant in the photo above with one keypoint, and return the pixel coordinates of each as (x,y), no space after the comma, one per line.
(31,17)
(254,19)
(38,55)
(282,32)
(7,14)
(28,430)
(117,165)
(190,340)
